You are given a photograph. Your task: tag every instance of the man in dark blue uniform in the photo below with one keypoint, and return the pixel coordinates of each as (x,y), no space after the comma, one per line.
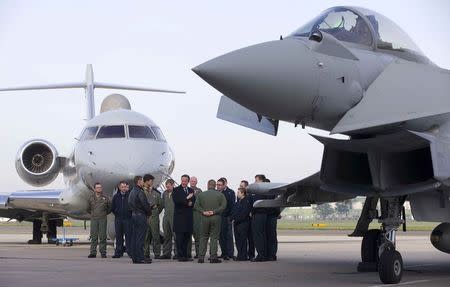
(251,245)
(241,221)
(122,220)
(141,210)
(259,226)
(271,227)
(183,223)
(226,228)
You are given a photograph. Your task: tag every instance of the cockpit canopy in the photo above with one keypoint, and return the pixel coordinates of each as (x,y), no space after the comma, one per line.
(360,26)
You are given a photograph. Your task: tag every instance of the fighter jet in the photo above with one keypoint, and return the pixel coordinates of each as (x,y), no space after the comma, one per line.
(351,71)
(115,145)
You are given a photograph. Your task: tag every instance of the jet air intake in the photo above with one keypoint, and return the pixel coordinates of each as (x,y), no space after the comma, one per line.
(37,162)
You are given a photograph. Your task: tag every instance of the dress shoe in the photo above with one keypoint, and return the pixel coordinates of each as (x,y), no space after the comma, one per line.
(201,260)
(32,241)
(272,259)
(104,256)
(175,257)
(116,256)
(165,257)
(92,256)
(215,260)
(182,259)
(258,259)
(241,259)
(226,258)
(147,261)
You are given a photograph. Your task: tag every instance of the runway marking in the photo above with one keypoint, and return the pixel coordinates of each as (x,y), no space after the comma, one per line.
(405,283)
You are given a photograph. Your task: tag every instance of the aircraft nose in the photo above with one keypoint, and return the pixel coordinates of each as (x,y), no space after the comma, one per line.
(276,79)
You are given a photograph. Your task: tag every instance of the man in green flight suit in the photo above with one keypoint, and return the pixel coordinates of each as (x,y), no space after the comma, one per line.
(99,206)
(197,219)
(152,236)
(210,204)
(168,206)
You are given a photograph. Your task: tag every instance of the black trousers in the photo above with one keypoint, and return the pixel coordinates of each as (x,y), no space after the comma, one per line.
(123,228)
(259,229)
(138,236)
(272,241)
(251,244)
(182,241)
(226,237)
(241,236)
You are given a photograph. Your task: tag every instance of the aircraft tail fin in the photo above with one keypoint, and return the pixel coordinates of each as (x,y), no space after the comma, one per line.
(89,85)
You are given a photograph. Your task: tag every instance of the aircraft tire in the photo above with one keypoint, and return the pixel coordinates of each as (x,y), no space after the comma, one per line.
(369,246)
(390,267)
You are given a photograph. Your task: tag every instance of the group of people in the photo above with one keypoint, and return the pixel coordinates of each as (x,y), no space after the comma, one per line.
(212,215)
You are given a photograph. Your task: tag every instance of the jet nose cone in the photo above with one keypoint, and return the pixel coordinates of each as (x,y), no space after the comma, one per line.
(266,77)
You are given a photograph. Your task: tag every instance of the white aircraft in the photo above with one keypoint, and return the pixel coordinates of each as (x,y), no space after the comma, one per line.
(115,145)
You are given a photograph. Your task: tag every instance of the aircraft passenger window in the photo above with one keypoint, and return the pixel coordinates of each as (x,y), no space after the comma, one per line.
(342,23)
(89,133)
(111,132)
(158,133)
(141,132)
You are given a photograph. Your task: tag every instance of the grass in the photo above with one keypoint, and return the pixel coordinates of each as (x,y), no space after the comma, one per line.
(346,225)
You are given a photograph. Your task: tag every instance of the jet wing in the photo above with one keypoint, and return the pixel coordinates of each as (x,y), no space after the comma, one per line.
(32,200)
(300,193)
(233,112)
(404,91)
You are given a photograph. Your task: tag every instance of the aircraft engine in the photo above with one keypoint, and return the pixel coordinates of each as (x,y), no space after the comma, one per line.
(37,162)
(440,237)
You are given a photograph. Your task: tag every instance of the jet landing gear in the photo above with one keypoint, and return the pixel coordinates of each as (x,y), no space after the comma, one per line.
(45,225)
(378,248)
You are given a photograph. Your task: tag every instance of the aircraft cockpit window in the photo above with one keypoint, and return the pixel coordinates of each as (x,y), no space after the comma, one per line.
(89,133)
(158,133)
(111,132)
(342,23)
(141,132)
(388,35)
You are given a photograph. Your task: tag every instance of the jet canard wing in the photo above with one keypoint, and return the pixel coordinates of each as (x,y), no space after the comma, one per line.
(404,91)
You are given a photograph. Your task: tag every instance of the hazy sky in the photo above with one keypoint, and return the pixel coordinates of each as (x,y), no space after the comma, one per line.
(156,43)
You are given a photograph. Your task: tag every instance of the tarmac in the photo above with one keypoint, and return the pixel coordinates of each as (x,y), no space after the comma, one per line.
(305,258)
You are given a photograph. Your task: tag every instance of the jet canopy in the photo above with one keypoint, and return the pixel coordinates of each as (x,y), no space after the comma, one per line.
(360,26)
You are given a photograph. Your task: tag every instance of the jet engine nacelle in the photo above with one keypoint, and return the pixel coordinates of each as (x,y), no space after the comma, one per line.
(37,162)
(440,237)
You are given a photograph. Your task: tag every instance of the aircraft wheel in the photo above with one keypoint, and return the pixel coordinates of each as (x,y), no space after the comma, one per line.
(390,267)
(369,246)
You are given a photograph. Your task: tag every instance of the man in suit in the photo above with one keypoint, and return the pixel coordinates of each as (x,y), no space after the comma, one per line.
(226,228)
(122,219)
(184,200)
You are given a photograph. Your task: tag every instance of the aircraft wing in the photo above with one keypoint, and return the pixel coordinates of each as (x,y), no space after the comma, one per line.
(300,193)
(404,91)
(22,205)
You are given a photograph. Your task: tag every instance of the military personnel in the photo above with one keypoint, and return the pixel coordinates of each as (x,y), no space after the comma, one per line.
(99,206)
(122,219)
(168,206)
(210,204)
(152,235)
(197,218)
(241,222)
(273,215)
(259,226)
(226,232)
(141,210)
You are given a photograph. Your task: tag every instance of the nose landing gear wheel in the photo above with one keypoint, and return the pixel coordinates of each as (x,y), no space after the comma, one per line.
(390,267)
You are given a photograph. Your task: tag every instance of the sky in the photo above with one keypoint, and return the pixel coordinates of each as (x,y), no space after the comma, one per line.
(155,44)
